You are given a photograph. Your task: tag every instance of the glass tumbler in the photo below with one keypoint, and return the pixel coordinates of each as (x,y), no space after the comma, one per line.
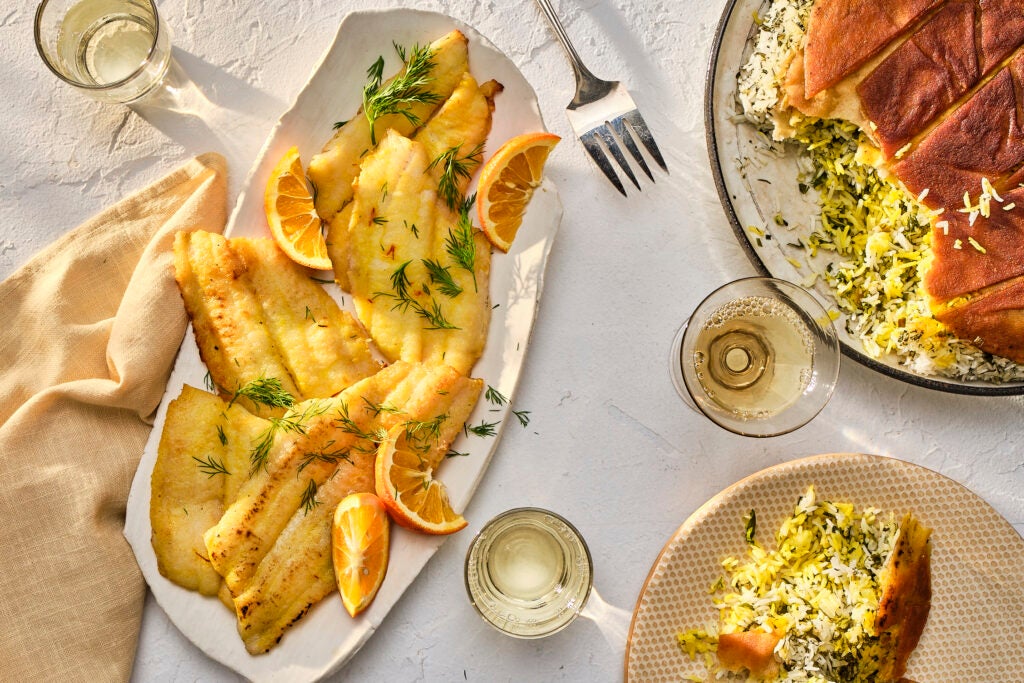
(113,50)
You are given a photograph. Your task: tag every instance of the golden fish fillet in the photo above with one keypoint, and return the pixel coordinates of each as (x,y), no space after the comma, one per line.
(189,492)
(459,128)
(257,314)
(401,237)
(311,432)
(298,572)
(462,123)
(336,166)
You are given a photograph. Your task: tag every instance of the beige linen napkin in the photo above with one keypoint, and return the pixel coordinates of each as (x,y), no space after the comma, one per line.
(89,329)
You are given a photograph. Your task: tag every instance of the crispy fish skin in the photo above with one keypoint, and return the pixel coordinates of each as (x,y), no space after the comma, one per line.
(383,242)
(185,500)
(226,315)
(906,594)
(298,571)
(324,348)
(268,499)
(336,166)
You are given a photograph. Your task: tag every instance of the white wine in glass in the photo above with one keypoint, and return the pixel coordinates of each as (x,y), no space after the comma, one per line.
(528,573)
(759,357)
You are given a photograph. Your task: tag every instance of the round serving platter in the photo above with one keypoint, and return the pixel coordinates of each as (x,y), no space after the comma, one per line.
(755,186)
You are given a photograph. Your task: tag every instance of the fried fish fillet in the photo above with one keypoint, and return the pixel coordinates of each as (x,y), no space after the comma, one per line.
(188,493)
(906,594)
(336,166)
(459,128)
(333,438)
(257,314)
(402,237)
(298,572)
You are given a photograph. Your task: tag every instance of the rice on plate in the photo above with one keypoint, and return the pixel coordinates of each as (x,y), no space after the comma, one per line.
(815,602)
(871,241)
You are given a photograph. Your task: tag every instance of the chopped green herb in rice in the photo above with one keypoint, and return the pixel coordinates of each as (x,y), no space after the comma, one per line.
(871,241)
(818,588)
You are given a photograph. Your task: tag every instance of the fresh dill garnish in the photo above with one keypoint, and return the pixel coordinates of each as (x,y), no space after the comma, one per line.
(523,416)
(211,466)
(440,276)
(309,500)
(412,228)
(384,191)
(348,425)
(455,454)
(398,95)
(378,408)
(453,169)
(208,382)
(460,244)
(431,312)
(321,280)
(425,430)
(494,396)
(324,455)
(380,220)
(309,315)
(259,454)
(338,124)
(483,429)
(222,436)
(267,391)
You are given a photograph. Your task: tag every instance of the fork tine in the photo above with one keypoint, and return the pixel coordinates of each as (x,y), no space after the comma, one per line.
(620,129)
(605,133)
(639,126)
(593,148)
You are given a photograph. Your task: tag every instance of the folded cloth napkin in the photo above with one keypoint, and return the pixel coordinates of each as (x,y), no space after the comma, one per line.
(90,329)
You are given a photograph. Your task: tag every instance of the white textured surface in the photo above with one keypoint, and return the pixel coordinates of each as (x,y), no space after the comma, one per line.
(610,446)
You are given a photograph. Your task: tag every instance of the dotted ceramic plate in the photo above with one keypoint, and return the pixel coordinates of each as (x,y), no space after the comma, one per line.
(977,616)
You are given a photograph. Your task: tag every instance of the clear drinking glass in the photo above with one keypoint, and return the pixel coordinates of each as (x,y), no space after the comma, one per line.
(529,572)
(114,50)
(759,357)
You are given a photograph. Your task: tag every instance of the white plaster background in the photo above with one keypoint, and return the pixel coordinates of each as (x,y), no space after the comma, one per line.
(610,445)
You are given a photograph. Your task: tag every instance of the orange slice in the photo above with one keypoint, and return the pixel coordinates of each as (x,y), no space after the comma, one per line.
(507,182)
(406,486)
(293,220)
(359,547)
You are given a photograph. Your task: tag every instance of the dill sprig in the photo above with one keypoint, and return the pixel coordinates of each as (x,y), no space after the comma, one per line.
(460,244)
(211,466)
(348,425)
(425,431)
(483,429)
(404,301)
(455,168)
(309,500)
(440,276)
(523,416)
(378,408)
(266,391)
(259,455)
(324,455)
(455,454)
(404,90)
(494,396)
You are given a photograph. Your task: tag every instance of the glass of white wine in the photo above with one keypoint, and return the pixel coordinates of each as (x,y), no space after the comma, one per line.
(114,50)
(759,357)
(529,572)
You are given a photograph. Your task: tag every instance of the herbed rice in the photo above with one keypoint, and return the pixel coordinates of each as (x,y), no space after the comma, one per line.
(819,587)
(871,243)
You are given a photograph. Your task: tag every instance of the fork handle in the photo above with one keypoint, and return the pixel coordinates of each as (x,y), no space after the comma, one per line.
(587,84)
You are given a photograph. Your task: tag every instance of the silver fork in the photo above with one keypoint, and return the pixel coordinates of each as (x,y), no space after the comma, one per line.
(602,112)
